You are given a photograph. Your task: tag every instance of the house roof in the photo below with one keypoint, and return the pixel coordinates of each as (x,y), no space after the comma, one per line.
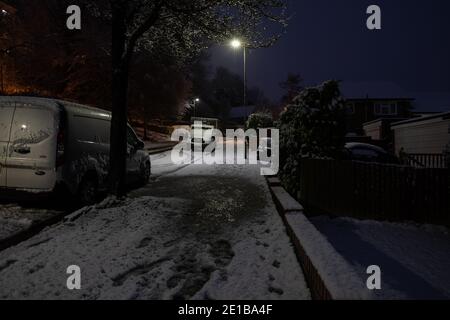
(373,90)
(444,116)
(241,112)
(384,120)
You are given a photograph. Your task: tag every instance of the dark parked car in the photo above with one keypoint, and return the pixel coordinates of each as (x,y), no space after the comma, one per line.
(368,153)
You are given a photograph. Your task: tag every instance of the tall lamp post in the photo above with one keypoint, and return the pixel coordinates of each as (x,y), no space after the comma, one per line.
(196,101)
(3,52)
(3,56)
(237,44)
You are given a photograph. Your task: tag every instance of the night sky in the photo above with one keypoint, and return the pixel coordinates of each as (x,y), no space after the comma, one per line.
(329,39)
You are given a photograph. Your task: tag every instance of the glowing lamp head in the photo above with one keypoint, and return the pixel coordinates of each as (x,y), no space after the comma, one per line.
(236,43)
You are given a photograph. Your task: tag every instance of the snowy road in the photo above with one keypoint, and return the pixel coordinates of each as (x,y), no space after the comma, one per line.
(195,232)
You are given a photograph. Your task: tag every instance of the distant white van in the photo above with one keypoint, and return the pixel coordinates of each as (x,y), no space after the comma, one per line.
(46,143)
(202,131)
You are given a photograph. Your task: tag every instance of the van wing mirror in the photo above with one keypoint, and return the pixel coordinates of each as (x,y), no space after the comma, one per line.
(140,145)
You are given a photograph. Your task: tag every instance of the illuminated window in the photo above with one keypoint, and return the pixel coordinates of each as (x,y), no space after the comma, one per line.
(386,109)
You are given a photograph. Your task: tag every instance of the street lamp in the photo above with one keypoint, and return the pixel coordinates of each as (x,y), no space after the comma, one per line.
(196,101)
(4,53)
(237,44)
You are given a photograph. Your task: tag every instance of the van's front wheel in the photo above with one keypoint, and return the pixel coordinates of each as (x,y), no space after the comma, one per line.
(88,191)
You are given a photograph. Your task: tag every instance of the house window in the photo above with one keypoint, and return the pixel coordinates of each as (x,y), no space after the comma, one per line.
(351,108)
(385,109)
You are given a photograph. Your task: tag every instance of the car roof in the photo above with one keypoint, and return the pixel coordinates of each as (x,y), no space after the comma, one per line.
(354,145)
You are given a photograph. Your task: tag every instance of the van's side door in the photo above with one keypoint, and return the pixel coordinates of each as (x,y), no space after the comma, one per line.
(31,156)
(6,116)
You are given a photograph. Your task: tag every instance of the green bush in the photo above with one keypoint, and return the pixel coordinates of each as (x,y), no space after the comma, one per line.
(312,126)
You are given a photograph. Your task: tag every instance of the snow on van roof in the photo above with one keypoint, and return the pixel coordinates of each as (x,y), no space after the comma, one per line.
(30,100)
(54,103)
(80,108)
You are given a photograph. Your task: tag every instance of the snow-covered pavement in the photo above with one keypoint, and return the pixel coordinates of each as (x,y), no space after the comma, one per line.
(195,232)
(17,217)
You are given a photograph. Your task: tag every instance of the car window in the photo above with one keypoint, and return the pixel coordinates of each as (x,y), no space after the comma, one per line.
(131,137)
(364,153)
(92,130)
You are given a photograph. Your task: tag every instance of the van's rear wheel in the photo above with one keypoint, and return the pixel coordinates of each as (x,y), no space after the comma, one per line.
(88,191)
(146,171)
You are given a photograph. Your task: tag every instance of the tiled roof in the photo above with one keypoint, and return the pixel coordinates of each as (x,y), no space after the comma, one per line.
(373,90)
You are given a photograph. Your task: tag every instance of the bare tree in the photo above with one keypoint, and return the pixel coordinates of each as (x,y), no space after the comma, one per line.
(181,28)
(292,87)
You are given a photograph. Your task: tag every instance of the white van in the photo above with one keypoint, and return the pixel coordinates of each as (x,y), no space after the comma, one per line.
(202,131)
(46,143)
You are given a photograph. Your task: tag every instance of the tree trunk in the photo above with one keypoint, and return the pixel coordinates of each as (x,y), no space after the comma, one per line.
(145,126)
(120,68)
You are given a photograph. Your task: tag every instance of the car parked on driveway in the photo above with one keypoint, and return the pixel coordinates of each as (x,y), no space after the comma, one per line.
(46,144)
(368,153)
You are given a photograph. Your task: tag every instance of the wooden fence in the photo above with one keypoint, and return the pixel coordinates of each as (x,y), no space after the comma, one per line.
(376,191)
(437,161)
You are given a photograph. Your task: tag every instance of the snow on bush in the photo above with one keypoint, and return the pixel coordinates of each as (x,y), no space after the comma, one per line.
(312,126)
(259,120)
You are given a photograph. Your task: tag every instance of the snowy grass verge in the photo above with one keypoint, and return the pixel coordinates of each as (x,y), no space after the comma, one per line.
(414,259)
(339,278)
(329,275)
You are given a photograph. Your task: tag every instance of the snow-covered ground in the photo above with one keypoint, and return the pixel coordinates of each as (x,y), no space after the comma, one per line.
(195,232)
(414,259)
(16,218)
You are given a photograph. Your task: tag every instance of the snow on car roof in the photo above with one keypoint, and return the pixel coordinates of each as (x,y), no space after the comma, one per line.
(354,145)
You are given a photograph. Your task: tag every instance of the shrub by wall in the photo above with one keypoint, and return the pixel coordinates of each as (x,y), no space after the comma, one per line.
(313,125)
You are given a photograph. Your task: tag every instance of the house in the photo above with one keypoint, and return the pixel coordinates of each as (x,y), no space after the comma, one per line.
(379,132)
(367,102)
(425,135)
